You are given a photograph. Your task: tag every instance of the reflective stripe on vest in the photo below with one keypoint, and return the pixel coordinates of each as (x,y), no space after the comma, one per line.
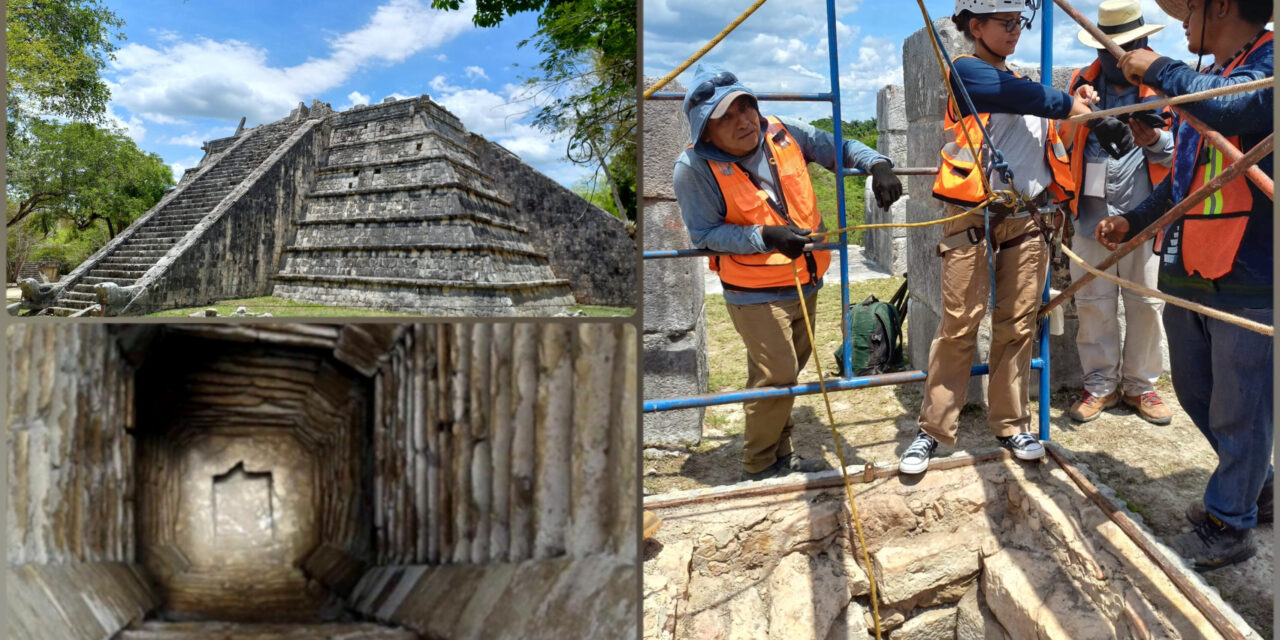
(747,205)
(1212,235)
(1156,172)
(959,179)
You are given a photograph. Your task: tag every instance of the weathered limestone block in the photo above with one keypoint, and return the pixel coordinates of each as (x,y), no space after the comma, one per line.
(805,598)
(974,620)
(930,624)
(924,86)
(928,569)
(851,623)
(666,585)
(675,365)
(1032,598)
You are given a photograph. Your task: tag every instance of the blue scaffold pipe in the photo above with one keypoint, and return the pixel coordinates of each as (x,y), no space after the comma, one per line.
(774,96)
(803,389)
(702,253)
(1046,78)
(837,126)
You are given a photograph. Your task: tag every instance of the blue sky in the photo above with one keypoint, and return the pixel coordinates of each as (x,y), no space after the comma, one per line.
(189,70)
(783,45)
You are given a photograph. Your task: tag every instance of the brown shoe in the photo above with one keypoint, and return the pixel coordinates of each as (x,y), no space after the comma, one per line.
(1089,406)
(1150,407)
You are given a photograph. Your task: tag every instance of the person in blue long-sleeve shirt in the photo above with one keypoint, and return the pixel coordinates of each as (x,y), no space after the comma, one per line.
(1219,255)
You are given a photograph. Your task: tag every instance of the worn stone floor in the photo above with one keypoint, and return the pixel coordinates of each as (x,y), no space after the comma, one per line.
(232,631)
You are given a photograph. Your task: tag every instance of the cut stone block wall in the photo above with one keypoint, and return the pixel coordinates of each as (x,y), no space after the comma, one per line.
(887,247)
(240,248)
(503,443)
(70,518)
(585,244)
(589,597)
(675,341)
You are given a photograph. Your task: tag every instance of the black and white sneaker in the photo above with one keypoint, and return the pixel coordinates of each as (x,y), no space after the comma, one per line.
(1023,445)
(916,458)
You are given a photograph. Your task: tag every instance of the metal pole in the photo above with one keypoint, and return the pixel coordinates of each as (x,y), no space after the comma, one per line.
(776,96)
(802,389)
(1046,78)
(837,124)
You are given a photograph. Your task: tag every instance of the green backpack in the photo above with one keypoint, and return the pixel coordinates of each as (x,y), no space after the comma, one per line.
(875,329)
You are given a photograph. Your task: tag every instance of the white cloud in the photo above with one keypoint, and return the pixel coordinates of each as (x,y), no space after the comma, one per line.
(197,139)
(230,78)
(182,165)
(133,127)
(441,84)
(476,72)
(442,58)
(357,98)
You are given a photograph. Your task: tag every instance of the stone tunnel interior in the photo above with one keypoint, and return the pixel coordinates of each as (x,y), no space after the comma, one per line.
(322,481)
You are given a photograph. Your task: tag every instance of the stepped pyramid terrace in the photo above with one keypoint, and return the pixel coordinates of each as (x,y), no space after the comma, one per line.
(392,206)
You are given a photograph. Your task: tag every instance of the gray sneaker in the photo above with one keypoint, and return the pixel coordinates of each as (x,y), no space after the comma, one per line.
(1023,445)
(916,458)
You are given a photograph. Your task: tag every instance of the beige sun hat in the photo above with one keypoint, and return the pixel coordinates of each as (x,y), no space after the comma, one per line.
(1122,21)
(1175,8)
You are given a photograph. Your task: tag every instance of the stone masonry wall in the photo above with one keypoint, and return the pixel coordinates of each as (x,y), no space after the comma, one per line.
(675,334)
(926,96)
(240,249)
(71,571)
(505,468)
(888,247)
(586,246)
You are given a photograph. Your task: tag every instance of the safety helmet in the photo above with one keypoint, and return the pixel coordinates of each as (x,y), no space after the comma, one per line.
(995,6)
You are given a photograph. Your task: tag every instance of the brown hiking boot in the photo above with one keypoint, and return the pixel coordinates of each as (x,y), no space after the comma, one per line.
(1150,407)
(1089,406)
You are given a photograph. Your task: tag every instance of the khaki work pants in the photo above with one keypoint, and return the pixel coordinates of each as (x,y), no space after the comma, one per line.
(1020,273)
(777,349)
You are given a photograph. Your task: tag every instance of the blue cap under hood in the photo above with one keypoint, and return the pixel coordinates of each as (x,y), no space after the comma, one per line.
(700,112)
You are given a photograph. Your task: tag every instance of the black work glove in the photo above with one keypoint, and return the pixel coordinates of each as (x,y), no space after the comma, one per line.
(1114,136)
(1149,118)
(789,240)
(886,186)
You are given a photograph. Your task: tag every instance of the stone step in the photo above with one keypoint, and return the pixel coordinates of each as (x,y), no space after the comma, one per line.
(139,254)
(156,630)
(91,280)
(373,281)
(112,274)
(64,311)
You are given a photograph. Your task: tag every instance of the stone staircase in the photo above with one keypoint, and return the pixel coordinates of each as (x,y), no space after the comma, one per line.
(158,234)
(154,630)
(400,218)
(244,593)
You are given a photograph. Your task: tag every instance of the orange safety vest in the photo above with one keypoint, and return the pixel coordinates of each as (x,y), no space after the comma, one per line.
(746,204)
(1211,235)
(959,179)
(1156,172)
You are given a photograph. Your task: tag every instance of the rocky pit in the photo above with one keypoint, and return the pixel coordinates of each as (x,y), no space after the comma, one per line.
(995,550)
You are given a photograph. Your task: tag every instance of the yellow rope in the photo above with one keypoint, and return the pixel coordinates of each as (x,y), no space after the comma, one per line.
(890,225)
(1243,323)
(701,52)
(831,418)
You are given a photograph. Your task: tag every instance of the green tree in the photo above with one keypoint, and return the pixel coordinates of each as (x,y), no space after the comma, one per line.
(56,50)
(79,174)
(587,75)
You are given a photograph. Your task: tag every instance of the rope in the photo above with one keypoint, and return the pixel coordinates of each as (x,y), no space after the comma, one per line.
(701,52)
(907,225)
(1253,85)
(1194,198)
(844,472)
(1243,323)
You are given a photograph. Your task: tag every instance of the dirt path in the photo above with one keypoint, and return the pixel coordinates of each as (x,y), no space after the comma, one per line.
(1157,470)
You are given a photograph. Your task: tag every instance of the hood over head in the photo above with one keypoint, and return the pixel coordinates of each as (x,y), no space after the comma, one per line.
(712,85)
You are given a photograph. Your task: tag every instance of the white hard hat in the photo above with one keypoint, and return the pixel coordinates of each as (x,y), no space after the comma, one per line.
(992,6)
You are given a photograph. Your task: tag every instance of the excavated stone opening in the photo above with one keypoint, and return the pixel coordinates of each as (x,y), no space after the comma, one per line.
(997,550)
(353,482)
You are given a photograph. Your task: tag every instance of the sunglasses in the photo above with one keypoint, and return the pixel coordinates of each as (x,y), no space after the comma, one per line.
(704,91)
(1012,25)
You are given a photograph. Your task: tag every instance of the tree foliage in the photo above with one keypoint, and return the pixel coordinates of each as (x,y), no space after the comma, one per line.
(587,76)
(56,50)
(863,131)
(77,174)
